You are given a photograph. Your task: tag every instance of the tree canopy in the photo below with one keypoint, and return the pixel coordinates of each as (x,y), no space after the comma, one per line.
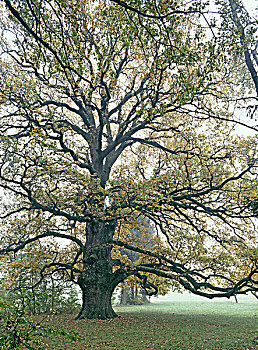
(115,111)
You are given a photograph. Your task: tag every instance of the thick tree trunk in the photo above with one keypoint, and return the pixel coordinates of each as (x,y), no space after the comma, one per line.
(96,301)
(97,280)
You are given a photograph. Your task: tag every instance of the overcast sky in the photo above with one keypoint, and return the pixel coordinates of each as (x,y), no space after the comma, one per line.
(251,5)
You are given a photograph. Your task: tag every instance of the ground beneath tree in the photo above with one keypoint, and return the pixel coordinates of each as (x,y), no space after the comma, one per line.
(207,326)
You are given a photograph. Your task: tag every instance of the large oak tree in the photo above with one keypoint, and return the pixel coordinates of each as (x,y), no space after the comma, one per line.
(115,111)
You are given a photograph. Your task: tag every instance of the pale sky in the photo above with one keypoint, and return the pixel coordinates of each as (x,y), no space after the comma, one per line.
(251,5)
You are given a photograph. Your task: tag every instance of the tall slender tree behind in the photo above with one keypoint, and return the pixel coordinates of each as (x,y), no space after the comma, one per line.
(236,18)
(246,26)
(107,113)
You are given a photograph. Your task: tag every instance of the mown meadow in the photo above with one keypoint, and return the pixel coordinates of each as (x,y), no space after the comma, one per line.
(176,322)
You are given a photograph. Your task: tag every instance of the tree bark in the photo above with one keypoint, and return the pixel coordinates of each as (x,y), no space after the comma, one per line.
(96,299)
(96,281)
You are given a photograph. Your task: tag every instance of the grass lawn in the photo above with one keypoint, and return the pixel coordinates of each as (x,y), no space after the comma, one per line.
(180,322)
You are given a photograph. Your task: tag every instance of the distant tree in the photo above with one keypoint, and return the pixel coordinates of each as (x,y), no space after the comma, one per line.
(237,19)
(254,207)
(138,231)
(246,27)
(108,113)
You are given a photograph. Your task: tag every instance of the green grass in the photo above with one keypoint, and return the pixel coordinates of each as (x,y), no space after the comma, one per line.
(176,322)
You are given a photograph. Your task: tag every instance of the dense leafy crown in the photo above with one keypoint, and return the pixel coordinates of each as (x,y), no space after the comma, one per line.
(111,112)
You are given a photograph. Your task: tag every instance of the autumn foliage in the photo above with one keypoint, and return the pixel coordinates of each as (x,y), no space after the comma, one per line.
(113,113)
